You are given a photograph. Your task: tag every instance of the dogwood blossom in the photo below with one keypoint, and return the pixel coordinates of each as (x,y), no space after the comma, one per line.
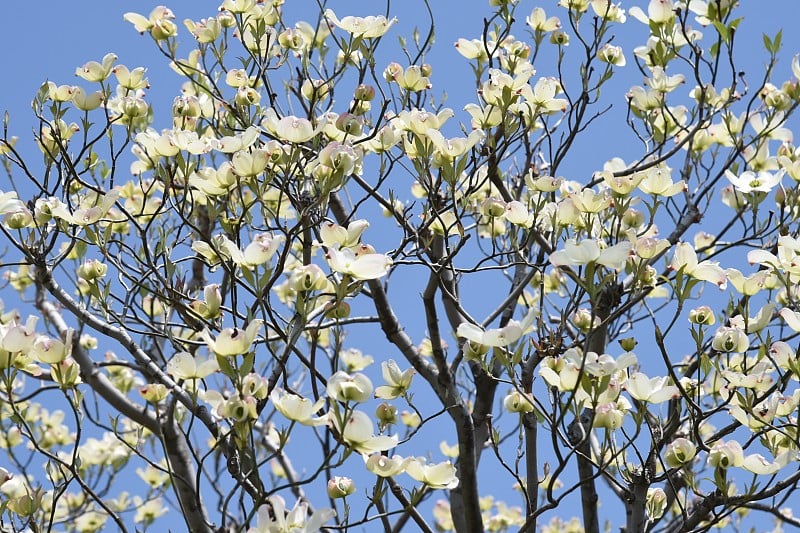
(750,181)
(274,518)
(588,251)
(346,387)
(297,408)
(361,266)
(651,390)
(679,452)
(398,381)
(358,432)
(385,466)
(436,476)
(184,365)
(233,341)
(685,258)
(369,27)
(504,336)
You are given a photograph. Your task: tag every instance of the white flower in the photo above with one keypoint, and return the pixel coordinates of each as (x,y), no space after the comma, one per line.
(296,520)
(612,55)
(383,466)
(297,408)
(504,336)
(290,128)
(436,476)
(726,454)
(652,390)
(679,452)
(750,181)
(365,27)
(730,339)
(758,464)
(185,366)
(262,249)
(398,381)
(334,235)
(658,181)
(686,258)
(233,341)
(517,402)
(792,318)
(363,267)
(538,21)
(658,11)
(589,251)
(358,432)
(346,387)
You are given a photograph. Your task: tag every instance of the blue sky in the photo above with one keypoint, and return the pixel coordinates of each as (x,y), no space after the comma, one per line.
(40,41)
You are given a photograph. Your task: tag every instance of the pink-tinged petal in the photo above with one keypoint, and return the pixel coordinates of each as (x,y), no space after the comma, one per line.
(684,256)
(471,332)
(370,266)
(560,258)
(503,336)
(615,256)
(664,394)
(638,386)
(758,464)
(711,271)
(792,318)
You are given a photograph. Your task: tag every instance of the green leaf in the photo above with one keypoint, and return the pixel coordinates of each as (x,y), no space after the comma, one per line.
(722,29)
(247,364)
(225,366)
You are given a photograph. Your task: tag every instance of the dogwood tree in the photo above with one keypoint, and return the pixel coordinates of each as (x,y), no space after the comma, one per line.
(193,291)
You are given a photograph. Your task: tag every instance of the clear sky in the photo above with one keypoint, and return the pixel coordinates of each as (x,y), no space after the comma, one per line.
(48,40)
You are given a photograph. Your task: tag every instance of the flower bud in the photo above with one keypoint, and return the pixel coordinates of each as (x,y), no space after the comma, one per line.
(350,124)
(633,218)
(392,72)
(246,96)
(291,39)
(702,315)
(239,409)
(154,392)
(584,321)
(346,387)
(21,218)
(493,207)
(728,339)
(628,344)
(315,90)
(410,419)
(560,38)
(365,92)
(26,504)
(66,373)
(308,278)
(474,351)
(337,310)
(516,402)
(386,414)
(656,502)
(340,487)
(679,452)
(92,270)
(255,385)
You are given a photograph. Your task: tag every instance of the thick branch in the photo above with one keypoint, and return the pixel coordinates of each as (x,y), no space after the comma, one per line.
(183,476)
(44,278)
(92,376)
